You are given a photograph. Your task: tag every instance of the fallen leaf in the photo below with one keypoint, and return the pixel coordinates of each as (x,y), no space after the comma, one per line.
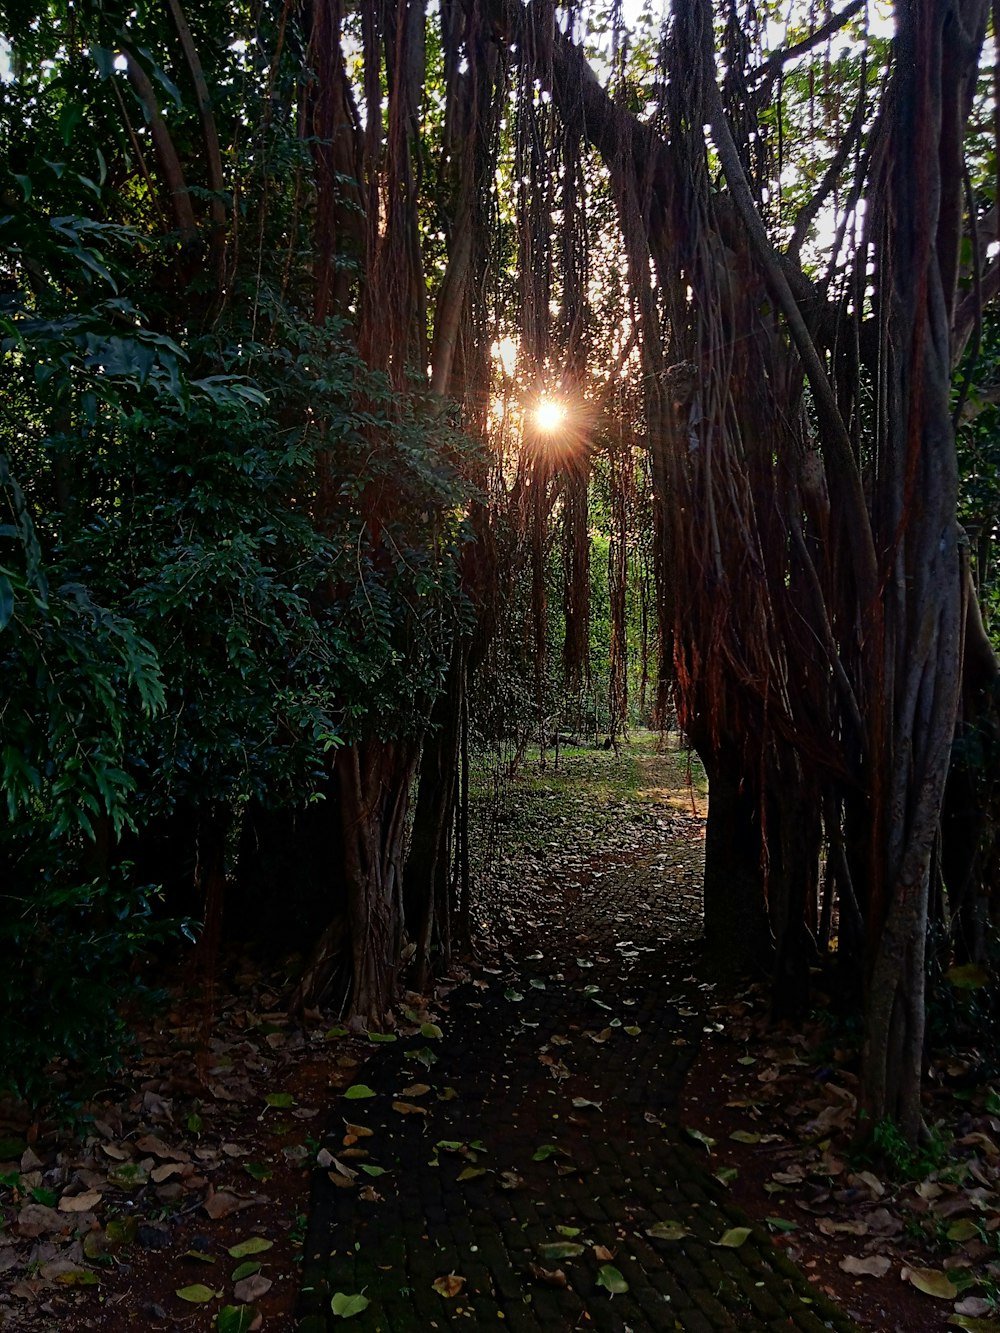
(220,1204)
(602,1254)
(962,1230)
(546,1151)
(552,1277)
(931,1282)
(161,1173)
(612,1280)
(561,1249)
(667,1231)
(79,1203)
(357,1091)
(252,1288)
(448,1286)
(877,1265)
(409,1108)
(235,1319)
(253,1245)
(975,1306)
(706,1140)
(345,1306)
(36,1220)
(197,1294)
(414,1090)
(849,1227)
(733,1238)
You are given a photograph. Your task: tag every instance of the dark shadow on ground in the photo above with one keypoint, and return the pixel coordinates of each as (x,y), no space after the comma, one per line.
(594,997)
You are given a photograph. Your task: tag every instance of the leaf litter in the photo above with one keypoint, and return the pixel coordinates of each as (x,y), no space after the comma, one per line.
(929,1219)
(148,1182)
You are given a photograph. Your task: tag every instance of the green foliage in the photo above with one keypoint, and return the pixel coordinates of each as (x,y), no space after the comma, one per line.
(227,546)
(902,1159)
(70,952)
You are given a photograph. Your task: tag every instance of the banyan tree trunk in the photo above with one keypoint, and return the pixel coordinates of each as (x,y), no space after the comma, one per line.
(369,790)
(429,864)
(737,932)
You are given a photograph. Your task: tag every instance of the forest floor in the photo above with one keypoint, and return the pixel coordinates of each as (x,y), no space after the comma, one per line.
(580,1128)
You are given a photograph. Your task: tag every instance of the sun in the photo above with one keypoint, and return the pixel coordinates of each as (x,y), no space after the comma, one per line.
(550,415)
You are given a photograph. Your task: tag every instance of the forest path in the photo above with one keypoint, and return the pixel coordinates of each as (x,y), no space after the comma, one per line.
(545,1113)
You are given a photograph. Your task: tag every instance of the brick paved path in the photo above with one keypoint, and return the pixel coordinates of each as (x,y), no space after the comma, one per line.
(596,955)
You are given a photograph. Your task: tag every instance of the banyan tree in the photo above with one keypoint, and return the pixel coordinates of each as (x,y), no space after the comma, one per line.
(797,352)
(747,249)
(795,329)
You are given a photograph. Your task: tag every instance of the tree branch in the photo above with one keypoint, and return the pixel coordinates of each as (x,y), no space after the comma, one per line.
(213,156)
(166,154)
(777,59)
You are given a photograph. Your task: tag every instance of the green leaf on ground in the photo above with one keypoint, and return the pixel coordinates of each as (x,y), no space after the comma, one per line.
(235,1319)
(561,1249)
(706,1140)
(513,995)
(779,1224)
(372,1170)
(537,983)
(569,1232)
(345,1306)
(258,1171)
(632,1030)
(667,1231)
(197,1294)
(546,1151)
(962,1230)
(611,1279)
(425,1055)
(431,1031)
(358,1090)
(280,1101)
(333,1033)
(253,1245)
(733,1238)
(382,1036)
(246,1270)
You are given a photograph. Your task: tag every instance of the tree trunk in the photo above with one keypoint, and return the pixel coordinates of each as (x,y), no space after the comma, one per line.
(429,863)
(370,790)
(737,934)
